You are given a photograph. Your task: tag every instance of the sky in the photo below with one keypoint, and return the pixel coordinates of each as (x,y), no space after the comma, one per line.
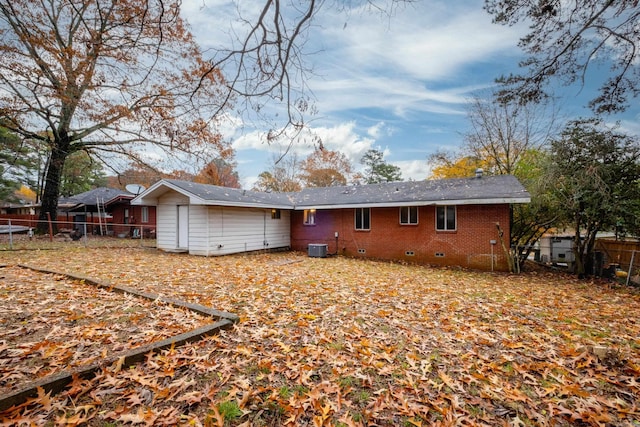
(398,84)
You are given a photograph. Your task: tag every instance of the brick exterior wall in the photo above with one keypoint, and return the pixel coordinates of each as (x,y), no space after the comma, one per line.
(468,246)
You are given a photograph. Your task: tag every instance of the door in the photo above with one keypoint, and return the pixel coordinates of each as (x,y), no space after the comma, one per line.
(183,227)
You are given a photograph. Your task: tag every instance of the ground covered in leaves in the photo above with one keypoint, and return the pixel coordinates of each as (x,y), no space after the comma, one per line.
(347,342)
(50,323)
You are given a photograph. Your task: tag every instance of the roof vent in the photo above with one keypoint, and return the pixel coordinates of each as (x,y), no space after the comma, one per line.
(479,173)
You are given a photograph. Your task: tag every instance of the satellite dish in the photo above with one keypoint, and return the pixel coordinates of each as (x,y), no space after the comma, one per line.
(135,188)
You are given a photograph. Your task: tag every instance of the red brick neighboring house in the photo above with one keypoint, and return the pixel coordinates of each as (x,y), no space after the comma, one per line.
(445,222)
(128,219)
(109,209)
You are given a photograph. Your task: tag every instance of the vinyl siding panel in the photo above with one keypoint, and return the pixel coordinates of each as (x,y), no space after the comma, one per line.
(167,220)
(278,233)
(198,238)
(234,230)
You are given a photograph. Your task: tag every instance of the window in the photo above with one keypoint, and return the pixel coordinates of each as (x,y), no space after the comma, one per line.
(275,213)
(408,215)
(309,217)
(145,214)
(363,219)
(445,218)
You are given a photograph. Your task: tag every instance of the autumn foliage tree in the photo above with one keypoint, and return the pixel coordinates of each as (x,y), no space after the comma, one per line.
(219,172)
(325,168)
(135,174)
(445,165)
(282,175)
(108,77)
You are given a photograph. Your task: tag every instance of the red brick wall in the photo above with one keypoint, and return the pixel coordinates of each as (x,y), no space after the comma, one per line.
(135,218)
(469,246)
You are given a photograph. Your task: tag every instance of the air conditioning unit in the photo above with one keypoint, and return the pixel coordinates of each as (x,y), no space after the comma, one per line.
(318,250)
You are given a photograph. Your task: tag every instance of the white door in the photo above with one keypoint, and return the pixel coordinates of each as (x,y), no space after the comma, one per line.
(183,227)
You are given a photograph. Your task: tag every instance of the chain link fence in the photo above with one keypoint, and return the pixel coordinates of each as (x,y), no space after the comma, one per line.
(21,234)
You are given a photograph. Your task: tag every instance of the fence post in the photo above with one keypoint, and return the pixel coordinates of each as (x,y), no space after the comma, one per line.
(85,232)
(10,237)
(50,227)
(633,254)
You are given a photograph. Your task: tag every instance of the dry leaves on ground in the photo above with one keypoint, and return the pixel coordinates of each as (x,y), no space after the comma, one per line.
(50,323)
(351,342)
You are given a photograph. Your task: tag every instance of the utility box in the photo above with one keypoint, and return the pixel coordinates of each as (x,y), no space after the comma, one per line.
(318,250)
(557,249)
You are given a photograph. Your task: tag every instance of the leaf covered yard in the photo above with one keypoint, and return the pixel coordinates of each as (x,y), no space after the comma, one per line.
(346,342)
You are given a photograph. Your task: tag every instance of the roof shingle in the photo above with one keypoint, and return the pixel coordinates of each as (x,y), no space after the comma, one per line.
(483,190)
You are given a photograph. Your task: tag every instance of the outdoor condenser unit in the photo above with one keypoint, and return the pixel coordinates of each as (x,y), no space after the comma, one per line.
(318,250)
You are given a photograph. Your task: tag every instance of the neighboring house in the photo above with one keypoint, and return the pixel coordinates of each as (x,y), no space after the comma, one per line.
(443,222)
(7,208)
(108,210)
(122,212)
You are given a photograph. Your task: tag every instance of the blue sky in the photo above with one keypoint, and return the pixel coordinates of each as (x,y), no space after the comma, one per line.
(398,84)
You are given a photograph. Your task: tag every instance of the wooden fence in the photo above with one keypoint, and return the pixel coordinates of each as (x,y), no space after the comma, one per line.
(621,252)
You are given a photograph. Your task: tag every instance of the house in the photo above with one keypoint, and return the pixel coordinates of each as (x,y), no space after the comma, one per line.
(443,222)
(209,220)
(128,219)
(107,211)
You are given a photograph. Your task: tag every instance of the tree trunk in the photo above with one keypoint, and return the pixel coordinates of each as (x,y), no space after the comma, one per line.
(51,191)
(578,252)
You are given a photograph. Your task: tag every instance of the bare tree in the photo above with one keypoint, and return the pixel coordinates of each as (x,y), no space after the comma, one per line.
(566,39)
(282,176)
(501,133)
(267,62)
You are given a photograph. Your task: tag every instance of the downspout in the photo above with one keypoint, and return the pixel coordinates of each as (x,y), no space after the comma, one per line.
(208,231)
(264,229)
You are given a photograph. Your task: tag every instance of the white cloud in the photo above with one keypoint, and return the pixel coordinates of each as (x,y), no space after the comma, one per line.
(631,126)
(416,170)
(375,130)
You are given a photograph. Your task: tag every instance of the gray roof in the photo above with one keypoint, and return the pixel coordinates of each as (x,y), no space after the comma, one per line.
(484,190)
(91,197)
(213,194)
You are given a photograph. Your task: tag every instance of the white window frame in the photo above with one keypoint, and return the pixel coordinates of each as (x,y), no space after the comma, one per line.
(448,210)
(406,216)
(361,212)
(309,217)
(144,213)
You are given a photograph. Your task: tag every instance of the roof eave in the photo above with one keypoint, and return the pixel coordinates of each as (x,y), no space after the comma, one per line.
(493,201)
(245,204)
(146,198)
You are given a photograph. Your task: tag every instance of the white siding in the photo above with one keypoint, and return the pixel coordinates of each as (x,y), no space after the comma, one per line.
(198,240)
(279,230)
(218,230)
(167,220)
(234,230)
